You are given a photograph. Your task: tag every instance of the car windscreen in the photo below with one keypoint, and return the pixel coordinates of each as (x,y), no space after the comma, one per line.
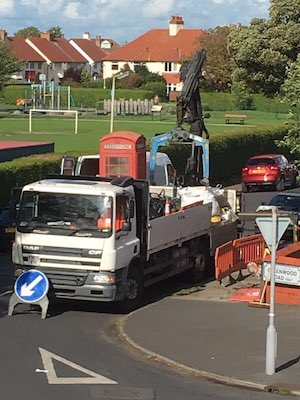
(64,214)
(286,202)
(261,161)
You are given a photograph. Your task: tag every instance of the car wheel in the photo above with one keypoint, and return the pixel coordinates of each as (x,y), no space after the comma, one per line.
(280,185)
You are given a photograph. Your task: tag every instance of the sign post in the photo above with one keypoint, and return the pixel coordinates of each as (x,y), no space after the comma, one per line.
(31,287)
(272,229)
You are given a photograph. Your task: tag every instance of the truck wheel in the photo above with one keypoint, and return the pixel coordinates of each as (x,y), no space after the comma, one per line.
(295,182)
(134,290)
(197,272)
(280,185)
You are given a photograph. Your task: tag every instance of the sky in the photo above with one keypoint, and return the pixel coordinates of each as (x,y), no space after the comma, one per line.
(124,20)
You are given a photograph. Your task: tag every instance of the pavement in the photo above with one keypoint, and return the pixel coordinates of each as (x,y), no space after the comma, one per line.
(202,332)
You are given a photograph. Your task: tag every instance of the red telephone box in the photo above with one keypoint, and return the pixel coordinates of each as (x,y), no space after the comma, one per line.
(123,153)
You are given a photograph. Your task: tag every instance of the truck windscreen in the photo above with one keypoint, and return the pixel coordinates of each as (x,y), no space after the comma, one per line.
(65,214)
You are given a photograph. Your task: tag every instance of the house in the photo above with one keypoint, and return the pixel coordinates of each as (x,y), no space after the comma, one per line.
(34,63)
(160,50)
(58,55)
(44,55)
(93,50)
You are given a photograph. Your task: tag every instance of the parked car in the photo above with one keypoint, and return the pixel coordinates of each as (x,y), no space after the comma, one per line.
(8,220)
(289,202)
(7,229)
(269,170)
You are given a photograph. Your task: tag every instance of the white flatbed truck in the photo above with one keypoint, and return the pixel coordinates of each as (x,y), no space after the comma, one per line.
(95,238)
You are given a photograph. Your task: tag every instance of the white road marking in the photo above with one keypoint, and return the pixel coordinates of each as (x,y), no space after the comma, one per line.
(53,379)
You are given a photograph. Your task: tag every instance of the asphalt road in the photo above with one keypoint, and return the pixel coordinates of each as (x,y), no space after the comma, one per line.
(76,354)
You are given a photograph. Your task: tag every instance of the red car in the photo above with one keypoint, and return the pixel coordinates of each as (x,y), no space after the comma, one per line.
(269,170)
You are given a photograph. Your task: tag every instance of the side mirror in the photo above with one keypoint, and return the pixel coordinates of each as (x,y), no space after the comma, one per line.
(126,227)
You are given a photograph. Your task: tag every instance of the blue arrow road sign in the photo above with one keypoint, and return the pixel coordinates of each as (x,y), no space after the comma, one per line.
(31,286)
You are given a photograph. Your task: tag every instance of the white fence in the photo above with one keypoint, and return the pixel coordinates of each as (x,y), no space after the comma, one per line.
(129,107)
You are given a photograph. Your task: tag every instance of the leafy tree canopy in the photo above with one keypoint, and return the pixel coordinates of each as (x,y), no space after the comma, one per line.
(27,32)
(56,31)
(8,64)
(263,52)
(291,96)
(216,72)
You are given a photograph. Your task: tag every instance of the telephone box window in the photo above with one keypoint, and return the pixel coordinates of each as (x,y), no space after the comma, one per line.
(117,166)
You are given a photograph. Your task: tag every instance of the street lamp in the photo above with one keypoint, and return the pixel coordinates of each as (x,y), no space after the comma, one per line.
(118,76)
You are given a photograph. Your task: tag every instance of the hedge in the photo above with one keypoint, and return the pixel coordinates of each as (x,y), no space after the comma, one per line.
(93,97)
(80,97)
(224,102)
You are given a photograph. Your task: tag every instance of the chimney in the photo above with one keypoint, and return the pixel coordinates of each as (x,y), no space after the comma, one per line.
(98,40)
(175,24)
(3,35)
(46,35)
(86,35)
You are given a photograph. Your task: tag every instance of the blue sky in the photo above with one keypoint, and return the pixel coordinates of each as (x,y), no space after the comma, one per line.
(124,20)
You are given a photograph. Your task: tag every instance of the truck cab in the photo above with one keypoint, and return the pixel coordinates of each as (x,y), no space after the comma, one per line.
(81,234)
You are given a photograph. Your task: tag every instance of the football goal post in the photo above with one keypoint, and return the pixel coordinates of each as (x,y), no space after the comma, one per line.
(32,111)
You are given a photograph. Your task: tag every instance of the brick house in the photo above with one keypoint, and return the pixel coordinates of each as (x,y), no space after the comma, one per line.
(160,50)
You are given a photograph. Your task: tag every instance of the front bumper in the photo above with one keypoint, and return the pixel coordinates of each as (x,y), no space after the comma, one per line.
(79,285)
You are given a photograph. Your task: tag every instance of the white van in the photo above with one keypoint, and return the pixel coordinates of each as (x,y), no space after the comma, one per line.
(88,165)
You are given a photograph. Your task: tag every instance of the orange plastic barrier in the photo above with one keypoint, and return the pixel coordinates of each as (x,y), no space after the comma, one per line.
(234,256)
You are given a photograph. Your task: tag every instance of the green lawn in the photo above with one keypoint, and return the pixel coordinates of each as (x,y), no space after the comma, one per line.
(60,130)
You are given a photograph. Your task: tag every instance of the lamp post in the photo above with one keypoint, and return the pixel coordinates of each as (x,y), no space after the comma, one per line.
(117,76)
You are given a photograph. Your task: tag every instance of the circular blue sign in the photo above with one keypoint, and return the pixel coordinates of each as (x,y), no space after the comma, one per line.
(31,286)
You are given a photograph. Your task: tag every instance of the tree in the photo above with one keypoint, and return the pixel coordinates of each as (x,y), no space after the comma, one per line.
(263,52)
(217,69)
(85,77)
(8,64)
(291,96)
(27,32)
(255,63)
(56,31)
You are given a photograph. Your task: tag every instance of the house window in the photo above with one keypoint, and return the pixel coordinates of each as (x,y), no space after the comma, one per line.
(105,44)
(57,66)
(171,87)
(30,65)
(170,67)
(115,66)
(39,65)
(137,64)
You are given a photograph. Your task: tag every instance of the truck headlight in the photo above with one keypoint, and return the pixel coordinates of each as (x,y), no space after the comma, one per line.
(105,278)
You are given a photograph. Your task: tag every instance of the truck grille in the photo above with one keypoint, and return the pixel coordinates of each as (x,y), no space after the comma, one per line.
(61,257)
(66,279)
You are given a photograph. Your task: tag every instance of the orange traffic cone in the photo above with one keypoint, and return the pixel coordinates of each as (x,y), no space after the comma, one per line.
(167,206)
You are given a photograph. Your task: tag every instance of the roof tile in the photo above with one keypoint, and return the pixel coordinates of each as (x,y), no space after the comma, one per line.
(23,51)
(158,45)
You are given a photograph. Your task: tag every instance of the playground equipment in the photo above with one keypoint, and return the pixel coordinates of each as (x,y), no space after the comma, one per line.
(47,99)
(49,95)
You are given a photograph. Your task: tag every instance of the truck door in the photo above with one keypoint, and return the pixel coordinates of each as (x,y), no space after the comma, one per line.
(127,243)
